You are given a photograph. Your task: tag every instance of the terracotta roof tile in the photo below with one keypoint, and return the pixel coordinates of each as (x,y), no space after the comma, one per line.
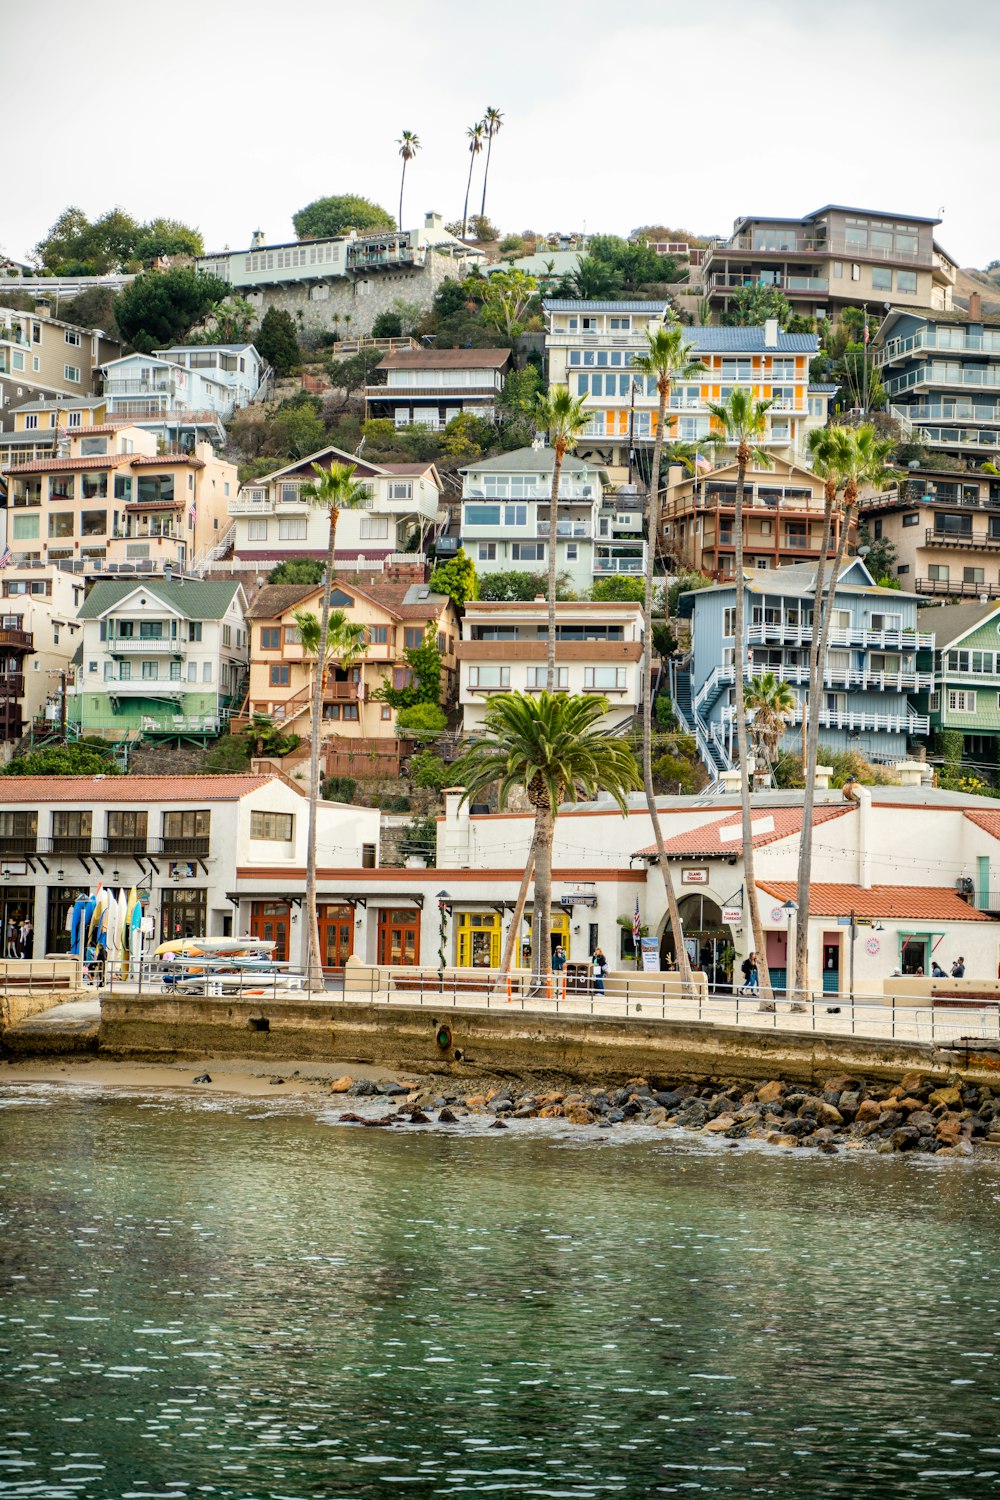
(135,790)
(70,465)
(725,835)
(989,822)
(141,459)
(912,903)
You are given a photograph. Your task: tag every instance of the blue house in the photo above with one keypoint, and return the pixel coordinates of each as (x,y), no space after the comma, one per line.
(941,369)
(871,664)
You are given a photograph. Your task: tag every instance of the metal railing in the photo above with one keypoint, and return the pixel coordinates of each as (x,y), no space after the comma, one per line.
(207,977)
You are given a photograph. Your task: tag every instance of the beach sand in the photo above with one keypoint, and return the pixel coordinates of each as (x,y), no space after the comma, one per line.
(228,1075)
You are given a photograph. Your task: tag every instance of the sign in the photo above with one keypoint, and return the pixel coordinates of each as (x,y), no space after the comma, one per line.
(142,894)
(650,955)
(732,916)
(843,921)
(694,877)
(862,921)
(777,913)
(14,867)
(182,869)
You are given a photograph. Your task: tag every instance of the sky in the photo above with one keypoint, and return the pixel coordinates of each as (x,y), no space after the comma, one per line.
(233,116)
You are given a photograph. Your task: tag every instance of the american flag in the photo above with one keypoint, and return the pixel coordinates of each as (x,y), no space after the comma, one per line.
(636,926)
(6,558)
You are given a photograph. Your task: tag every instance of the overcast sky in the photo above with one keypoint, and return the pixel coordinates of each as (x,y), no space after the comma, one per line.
(232,116)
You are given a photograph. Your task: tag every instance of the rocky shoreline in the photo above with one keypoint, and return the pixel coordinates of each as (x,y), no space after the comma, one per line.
(917,1114)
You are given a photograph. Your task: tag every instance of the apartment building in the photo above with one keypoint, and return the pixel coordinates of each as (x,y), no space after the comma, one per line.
(161,656)
(965,661)
(109,497)
(39,427)
(870,671)
(430,387)
(944,528)
(782,519)
(395,617)
(833,258)
(190,844)
(941,370)
(599,649)
(591,346)
(39,635)
(273,519)
(504,523)
(43,357)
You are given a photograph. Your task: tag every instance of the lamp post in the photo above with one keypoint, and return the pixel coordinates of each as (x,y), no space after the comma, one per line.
(789,907)
(444,907)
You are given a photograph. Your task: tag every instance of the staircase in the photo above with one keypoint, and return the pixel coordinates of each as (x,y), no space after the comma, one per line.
(689,711)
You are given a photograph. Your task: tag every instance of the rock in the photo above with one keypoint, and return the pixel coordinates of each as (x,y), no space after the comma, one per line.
(850,1103)
(768,1093)
(908,1104)
(341,1085)
(866,1128)
(809,1109)
(603,1125)
(798,1127)
(550,1112)
(524,1112)
(829,1148)
(904,1139)
(578,1114)
(385,1120)
(392,1090)
(950,1097)
(827,1114)
(949,1130)
(669,1099)
(911,1081)
(548,1099)
(417,1117)
(476,1101)
(839,1085)
(499,1124)
(351,1119)
(656,1116)
(922,1120)
(778,1138)
(274,1081)
(614,1116)
(361,1088)
(720,1124)
(736,1131)
(631,1109)
(868,1109)
(445,1117)
(202,1078)
(890,1119)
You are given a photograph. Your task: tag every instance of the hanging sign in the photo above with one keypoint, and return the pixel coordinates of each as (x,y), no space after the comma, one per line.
(732,916)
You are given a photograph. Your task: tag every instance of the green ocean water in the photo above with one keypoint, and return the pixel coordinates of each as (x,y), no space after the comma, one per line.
(243,1299)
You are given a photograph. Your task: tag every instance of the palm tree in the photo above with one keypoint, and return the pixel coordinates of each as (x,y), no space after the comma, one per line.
(334,489)
(851,457)
(773,704)
(552,746)
(493,123)
(563,417)
(409,145)
(475,135)
(743,420)
(668,357)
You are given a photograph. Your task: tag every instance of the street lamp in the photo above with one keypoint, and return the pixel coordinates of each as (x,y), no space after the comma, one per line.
(444,907)
(789,907)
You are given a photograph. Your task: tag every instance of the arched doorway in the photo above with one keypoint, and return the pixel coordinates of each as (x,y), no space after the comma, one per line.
(709,943)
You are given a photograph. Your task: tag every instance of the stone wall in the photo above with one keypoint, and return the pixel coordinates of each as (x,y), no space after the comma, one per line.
(357,301)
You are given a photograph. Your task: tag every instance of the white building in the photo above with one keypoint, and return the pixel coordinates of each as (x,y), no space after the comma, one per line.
(237,367)
(504,647)
(505,518)
(186,841)
(39,633)
(430,387)
(163,394)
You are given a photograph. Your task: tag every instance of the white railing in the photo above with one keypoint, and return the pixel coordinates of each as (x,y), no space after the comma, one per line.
(783,633)
(860,719)
(835,677)
(127,644)
(987,342)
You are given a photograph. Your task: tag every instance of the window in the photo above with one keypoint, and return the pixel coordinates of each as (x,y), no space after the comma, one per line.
(71,373)
(374,528)
(194,630)
(913,519)
(604,679)
(938,572)
(292,528)
(280,674)
(527,551)
(350,710)
(288,493)
(378,635)
(368,856)
(293,635)
(128,830)
(26,528)
(538,678)
(482,515)
(413,636)
(838,270)
(271,825)
(572,551)
(31,422)
(193,823)
(903,568)
(487,552)
(961,702)
(386,711)
(155,489)
(906,281)
(729,622)
(877,531)
(934,702)
(515,515)
(881,279)
(257,531)
(855,271)
(123,488)
(973,575)
(17,360)
(340,600)
(150,670)
(72,336)
(71,825)
(489,677)
(61,523)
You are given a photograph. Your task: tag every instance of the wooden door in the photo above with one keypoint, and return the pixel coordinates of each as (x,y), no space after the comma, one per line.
(270,920)
(398,936)
(336,935)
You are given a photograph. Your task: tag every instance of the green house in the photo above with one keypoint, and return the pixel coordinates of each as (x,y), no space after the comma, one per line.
(966,666)
(161,657)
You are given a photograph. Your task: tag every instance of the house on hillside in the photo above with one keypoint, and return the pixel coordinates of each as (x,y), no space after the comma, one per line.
(430,387)
(45,357)
(40,426)
(39,636)
(161,656)
(965,662)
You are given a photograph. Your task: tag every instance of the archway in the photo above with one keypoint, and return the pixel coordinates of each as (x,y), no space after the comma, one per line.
(706,937)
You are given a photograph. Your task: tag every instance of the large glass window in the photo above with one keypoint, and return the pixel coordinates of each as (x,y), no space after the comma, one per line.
(61,523)
(155,489)
(271,825)
(482,515)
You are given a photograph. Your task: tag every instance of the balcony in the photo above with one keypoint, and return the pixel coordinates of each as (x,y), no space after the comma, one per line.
(951,340)
(145,687)
(11,685)
(976,540)
(569,493)
(340,692)
(159,384)
(982,377)
(791,633)
(242,505)
(794,286)
(12,638)
(565,530)
(443,392)
(13,844)
(194,847)
(858,720)
(956,589)
(857,679)
(66,843)
(794,244)
(127,645)
(606,566)
(958,437)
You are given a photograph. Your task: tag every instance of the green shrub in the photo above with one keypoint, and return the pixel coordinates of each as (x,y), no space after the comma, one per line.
(429,771)
(231,752)
(422,719)
(339,789)
(83,758)
(663,712)
(304,570)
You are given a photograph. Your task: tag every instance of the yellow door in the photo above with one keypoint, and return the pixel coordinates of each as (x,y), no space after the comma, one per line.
(560,936)
(479,940)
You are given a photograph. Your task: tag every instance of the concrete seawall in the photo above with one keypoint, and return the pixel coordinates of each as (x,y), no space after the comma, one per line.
(588,1050)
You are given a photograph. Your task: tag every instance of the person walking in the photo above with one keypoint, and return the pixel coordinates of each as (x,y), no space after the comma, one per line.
(936,970)
(746,969)
(958,969)
(600,964)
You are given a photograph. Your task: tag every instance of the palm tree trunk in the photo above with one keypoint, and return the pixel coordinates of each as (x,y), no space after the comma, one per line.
(314,957)
(558,452)
(468,189)
(541,926)
(812,755)
(810,720)
(514,935)
(402,181)
(739,676)
(486,173)
(653,528)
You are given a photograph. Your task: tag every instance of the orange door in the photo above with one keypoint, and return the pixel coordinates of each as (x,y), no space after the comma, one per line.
(336,935)
(270,920)
(398,936)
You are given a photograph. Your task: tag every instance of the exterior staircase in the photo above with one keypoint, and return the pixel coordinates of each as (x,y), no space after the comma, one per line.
(690,709)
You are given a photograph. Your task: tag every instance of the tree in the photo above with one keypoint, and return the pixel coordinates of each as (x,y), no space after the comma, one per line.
(160,307)
(409,145)
(165,237)
(94,308)
(354,373)
(84,758)
(619,589)
(422,720)
(493,124)
(754,304)
(113,241)
(483,229)
(636,262)
(232,322)
(512,587)
(335,215)
(850,457)
(475,135)
(424,662)
(743,420)
(554,747)
(506,297)
(515,408)
(277,342)
(667,357)
(388,325)
(772,704)
(333,490)
(303,570)
(593,281)
(296,430)
(563,417)
(456,578)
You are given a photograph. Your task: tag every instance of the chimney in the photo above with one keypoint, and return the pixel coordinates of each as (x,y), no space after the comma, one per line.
(975,307)
(256,239)
(434,221)
(42,307)
(771,333)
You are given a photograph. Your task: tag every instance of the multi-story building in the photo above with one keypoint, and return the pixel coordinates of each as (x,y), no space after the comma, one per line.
(41,356)
(782,518)
(395,616)
(599,649)
(110,497)
(39,634)
(237,367)
(196,846)
(941,370)
(40,426)
(944,529)
(161,656)
(274,520)
(430,387)
(591,346)
(505,518)
(870,670)
(833,258)
(344,281)
(168,398)
(965,661)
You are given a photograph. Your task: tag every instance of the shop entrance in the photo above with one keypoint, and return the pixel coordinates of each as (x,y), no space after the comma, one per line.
(61,899)
(913,958)
(270,921)
(831,963)
(560,937)
(479,939)
(709,944)
(398,936)
(336,935)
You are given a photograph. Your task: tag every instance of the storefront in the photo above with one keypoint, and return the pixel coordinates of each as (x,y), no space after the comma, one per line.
(709,944)
(336,935)
(398,935)
(183,912)
(271,922)
(57,931)
(559,939)
(478,939)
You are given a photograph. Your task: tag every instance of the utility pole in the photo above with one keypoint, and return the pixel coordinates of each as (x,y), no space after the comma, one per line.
(631,433)
(864,356)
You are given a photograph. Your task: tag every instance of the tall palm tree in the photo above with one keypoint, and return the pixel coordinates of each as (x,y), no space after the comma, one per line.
(475,134)
(742,422)
(493,123)
(667,357)
(333,490)
(853,457)
(553,746)
(773,705)
(563,417)
(409,145)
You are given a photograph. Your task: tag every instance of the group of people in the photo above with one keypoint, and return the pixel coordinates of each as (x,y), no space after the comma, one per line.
(598,964)
(19,939)
(957,970)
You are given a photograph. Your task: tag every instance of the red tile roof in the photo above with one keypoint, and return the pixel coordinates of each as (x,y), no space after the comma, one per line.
(167,458)
(912,903)
(725,835)
(136,790)
(989,822)
(99,431)
(70,465)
